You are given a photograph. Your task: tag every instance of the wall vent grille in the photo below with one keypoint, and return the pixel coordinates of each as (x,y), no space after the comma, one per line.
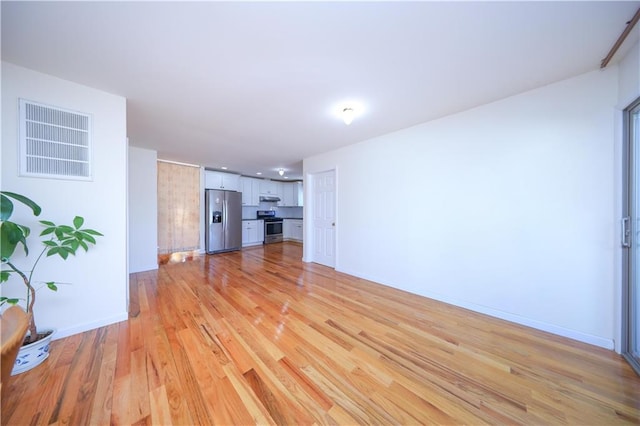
(54,142)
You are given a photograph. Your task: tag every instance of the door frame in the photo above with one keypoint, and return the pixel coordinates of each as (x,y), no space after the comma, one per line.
(309,241)
(628,170)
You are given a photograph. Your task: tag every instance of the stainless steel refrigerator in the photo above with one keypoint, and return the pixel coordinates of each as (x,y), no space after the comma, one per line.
(224,220)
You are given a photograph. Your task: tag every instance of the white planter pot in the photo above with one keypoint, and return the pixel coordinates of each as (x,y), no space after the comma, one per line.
(32,354)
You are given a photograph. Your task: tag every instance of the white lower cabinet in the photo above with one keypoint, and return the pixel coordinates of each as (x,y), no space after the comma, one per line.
(252,232)
(260,239)
(286,229)
(292,229)
(297,231)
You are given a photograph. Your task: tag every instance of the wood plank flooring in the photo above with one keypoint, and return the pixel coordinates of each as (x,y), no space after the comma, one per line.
(257,336)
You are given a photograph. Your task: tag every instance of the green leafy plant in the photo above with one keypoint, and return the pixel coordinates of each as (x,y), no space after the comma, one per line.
(57,240)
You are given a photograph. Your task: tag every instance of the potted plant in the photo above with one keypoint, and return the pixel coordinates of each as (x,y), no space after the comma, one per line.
(57,240)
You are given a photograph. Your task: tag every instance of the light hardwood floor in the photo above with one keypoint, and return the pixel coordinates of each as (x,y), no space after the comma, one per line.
(259,337)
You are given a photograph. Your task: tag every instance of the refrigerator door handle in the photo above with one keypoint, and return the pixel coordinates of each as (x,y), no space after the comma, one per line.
(224,217)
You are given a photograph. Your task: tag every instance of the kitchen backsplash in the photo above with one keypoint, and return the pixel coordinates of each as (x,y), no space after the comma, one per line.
(285,212)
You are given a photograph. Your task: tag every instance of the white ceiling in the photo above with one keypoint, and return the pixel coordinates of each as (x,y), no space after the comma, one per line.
(253,85)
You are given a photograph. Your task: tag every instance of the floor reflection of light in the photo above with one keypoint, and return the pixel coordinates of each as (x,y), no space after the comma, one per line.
(283,319)
(279,330)
(177,258)
(224,281)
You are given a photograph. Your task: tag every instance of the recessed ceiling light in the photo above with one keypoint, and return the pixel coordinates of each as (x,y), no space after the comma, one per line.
(258,173)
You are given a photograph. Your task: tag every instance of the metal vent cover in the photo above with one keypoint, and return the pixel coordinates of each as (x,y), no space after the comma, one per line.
(54,142)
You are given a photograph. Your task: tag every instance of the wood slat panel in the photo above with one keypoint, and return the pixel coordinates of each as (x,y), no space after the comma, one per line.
(257,336)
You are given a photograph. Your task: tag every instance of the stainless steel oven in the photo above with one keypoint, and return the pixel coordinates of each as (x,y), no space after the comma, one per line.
(273,226)
(273,231)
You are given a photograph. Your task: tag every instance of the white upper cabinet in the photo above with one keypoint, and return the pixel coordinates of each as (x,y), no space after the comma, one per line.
(280,191)
(300,187)
(268,187)
(250,188)
(288,198)
(219,180)
(292,194)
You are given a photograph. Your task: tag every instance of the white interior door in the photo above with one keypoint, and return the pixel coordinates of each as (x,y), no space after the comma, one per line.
(324,218)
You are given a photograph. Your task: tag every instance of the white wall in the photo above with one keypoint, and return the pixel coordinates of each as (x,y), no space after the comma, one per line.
(629,81)
(96,294)
(507,209)
(143,210)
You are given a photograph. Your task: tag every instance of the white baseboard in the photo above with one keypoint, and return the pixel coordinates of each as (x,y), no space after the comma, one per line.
(144,268)
(529,322)
(539,325)
(252,244)
(66,332)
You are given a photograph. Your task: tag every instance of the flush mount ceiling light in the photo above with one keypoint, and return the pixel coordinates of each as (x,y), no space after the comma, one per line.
(348,109)
(347,115)
(281,172)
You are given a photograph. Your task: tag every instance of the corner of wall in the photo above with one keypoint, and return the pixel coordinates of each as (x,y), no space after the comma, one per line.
(629,77)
